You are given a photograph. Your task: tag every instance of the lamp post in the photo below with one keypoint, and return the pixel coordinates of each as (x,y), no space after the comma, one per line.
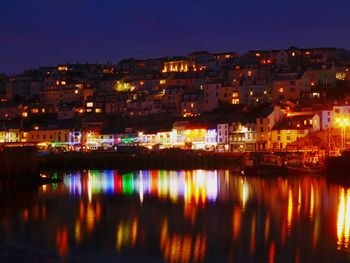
(343,122)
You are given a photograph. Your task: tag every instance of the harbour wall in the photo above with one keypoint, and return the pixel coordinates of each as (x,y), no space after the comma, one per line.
(135,161)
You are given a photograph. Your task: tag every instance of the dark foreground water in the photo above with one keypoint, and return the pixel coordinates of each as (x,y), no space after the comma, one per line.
(177,216)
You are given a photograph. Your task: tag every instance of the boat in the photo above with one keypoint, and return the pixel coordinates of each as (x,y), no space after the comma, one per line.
(302,165)
(269,164)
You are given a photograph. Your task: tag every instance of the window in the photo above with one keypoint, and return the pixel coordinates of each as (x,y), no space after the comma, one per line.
(288,138)
(278,138)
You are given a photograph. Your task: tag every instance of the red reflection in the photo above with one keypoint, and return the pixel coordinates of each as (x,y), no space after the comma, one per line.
(272,253)
(62,241)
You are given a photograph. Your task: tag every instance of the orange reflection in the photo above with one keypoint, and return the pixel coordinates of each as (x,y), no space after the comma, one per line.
(252,236)
(312,202)
(267,227)
(237,220)
(181,248)
(26,214)
(299,200)
(290,211)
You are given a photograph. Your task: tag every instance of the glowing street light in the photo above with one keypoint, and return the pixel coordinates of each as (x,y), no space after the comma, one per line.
(343,122)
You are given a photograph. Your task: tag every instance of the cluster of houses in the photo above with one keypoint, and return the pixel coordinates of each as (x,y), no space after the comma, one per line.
(273,128)
(300,91)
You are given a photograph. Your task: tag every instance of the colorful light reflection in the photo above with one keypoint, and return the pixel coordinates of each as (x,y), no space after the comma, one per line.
(193,186)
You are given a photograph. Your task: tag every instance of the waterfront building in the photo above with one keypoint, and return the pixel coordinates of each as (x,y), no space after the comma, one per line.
(292,128)
(243,135)
(265,121)
(223,130)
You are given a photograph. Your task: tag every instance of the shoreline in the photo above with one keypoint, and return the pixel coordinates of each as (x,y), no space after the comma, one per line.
(156,160)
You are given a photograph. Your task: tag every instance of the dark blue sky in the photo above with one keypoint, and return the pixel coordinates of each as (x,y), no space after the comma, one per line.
(48,32)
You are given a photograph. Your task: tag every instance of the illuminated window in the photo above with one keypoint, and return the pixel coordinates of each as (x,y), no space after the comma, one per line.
(24,114)
(98,110)
(76,91)
(162,81)
(89,104)
(281,90)
(340,75)
(250,73)
(63,83)
(62,68)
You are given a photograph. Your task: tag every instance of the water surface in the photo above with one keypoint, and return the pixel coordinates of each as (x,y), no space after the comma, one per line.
(181,216)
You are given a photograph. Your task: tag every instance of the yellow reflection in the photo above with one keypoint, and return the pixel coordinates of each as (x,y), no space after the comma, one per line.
(343,220)
(312,202)
(77,232)
(126,234)
(245,193)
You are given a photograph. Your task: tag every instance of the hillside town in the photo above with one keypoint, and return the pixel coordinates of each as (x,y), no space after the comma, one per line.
(265,100)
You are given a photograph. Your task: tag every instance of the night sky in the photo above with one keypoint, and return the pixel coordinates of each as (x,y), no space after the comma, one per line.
(49,32)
